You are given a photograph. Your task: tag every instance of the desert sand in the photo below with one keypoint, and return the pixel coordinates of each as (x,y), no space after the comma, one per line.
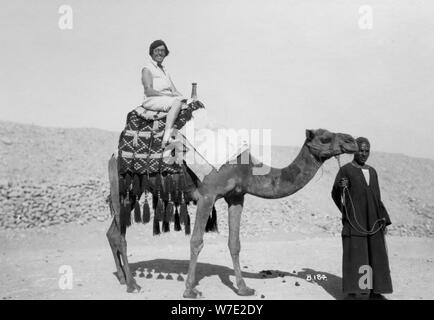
(53,185)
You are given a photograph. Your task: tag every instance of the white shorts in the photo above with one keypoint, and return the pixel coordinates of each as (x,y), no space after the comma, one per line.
(159,103)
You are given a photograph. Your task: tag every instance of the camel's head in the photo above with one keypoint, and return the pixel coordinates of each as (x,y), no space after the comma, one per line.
(324,144)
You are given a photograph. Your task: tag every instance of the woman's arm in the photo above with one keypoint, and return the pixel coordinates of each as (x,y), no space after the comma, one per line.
(174,90)
(148,85)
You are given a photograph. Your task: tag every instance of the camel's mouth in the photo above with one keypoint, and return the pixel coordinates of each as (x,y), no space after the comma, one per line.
(349,149)
(349,144)
(341,143)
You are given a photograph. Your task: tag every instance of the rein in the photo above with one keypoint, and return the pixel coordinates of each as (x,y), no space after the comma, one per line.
(344,209)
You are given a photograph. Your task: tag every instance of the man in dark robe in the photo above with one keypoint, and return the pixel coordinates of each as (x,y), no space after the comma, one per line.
(365,267)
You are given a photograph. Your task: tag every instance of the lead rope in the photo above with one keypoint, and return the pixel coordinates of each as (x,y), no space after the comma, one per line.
(344,208)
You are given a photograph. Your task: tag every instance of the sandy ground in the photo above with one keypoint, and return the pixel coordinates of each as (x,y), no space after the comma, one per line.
(31,261)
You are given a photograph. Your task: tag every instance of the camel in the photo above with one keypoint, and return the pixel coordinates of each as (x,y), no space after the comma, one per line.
(232,182)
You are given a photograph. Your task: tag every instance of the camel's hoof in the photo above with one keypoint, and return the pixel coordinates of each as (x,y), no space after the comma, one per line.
(132,287)
(121,279)
(192,294)
(246,291)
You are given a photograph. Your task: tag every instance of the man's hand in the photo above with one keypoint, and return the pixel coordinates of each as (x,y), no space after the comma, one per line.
(343,183)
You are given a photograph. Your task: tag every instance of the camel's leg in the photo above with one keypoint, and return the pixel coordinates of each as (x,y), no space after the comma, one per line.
(204,207)
(131,282)
(114,233)
(235,209)
(118,244)
(116,236)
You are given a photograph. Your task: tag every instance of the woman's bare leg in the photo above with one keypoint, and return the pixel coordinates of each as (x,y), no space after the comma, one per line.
(170,120)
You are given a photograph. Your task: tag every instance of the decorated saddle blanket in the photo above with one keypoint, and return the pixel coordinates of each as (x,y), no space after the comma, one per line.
(146,167)
(140,147)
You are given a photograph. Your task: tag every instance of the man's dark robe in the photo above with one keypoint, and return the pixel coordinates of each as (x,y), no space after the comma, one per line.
(359,248)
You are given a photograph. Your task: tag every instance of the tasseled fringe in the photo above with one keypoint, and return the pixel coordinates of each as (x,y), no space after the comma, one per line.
(177,220)
(175,190)
(136,189)
(168,185)
(125,214)
(187,225)
(137,213)
(122,216)
(146,211)
(128,181)
(159,211)
(154,202)
(145,183)
(181,182)
(211,225)
(156,227)
(174,208)
(122,186)
(159,182)
(168,214)
(159,208)
(166,226)
(183,213)
(177,195)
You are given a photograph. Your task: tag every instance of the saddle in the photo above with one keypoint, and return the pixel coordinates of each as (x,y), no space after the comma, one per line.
(146,166)
(140,149)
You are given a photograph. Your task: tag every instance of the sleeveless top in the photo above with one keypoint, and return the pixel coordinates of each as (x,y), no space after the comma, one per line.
(161,79)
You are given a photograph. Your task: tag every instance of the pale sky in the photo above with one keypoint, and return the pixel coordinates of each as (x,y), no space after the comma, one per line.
(281,65)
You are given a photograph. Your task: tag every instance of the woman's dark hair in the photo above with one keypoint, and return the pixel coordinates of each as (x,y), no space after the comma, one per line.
(156,44)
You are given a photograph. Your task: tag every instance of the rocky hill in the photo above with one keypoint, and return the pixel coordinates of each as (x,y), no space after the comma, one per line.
(57,175)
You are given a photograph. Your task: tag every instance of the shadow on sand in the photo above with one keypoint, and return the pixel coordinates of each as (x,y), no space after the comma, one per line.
(177,270)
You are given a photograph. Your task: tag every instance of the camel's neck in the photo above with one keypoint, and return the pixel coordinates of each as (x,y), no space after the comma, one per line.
(283,182)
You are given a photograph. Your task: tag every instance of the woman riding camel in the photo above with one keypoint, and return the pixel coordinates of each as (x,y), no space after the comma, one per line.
(160,92)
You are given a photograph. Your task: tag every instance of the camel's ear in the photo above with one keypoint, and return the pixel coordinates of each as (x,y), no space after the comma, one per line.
(310,134)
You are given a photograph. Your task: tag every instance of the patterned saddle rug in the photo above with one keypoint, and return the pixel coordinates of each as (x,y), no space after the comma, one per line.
(140,149)
(144,168)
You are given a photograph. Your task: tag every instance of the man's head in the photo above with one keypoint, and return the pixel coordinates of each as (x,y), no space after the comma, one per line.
(362,155)
(158,51)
